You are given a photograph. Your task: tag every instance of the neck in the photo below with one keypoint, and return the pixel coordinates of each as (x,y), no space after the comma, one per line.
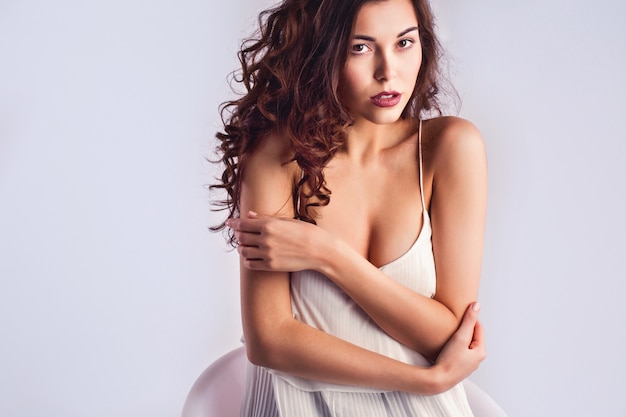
(366,140)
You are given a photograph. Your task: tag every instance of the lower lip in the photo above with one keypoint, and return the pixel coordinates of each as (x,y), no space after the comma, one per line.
(386,101)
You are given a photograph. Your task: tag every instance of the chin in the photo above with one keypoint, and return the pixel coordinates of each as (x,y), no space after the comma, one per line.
(386,119)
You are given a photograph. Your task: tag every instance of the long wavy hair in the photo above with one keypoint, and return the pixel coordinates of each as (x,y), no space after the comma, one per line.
(290,70)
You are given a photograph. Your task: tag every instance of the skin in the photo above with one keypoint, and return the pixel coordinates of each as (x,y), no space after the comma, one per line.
(377,168)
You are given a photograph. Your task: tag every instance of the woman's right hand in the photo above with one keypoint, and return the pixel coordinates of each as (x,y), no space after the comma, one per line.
(462,354)
(278,244)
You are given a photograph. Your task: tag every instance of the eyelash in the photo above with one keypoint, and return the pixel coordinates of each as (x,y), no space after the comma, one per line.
(353,50)
(410,41)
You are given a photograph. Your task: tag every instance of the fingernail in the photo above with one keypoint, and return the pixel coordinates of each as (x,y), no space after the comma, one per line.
(252,213)
(228,222)
(476,306)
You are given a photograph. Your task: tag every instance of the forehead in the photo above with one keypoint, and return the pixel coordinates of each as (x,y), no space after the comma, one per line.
(385,16)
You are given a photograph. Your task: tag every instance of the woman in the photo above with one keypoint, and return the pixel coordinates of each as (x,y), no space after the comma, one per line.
(331,175)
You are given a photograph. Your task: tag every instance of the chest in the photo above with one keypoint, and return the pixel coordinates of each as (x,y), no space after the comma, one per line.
(378,210)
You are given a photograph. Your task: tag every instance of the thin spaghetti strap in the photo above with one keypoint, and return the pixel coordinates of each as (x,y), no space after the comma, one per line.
(296,200)
(419,151)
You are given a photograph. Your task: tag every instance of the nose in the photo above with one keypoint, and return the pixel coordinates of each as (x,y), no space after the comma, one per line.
(385,66)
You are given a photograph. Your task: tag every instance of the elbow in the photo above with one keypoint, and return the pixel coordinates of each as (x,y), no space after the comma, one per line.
(264,348)
(258,352)
(431,354)
(438,341)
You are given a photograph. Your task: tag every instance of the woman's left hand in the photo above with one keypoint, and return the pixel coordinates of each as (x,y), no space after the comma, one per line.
(270,243)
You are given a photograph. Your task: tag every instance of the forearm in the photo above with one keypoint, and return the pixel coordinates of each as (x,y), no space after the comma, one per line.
(298,349)
(419,322)
(422,323)
(275,339)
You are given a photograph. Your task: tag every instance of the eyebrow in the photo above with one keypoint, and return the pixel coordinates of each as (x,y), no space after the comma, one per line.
(371,39)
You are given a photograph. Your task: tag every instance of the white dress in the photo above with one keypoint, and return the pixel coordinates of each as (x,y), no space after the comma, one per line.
(317,301)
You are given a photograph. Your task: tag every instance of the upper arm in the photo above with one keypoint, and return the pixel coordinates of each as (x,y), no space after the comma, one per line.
(266,188)
(458,209)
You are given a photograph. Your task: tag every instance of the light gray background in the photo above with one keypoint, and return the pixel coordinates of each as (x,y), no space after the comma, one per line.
(113,294)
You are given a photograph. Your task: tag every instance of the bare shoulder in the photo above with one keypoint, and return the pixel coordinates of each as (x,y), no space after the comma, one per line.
(274,148)
(268,176)
(453,141)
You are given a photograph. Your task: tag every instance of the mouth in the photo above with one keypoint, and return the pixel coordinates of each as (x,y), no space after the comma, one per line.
(386,99)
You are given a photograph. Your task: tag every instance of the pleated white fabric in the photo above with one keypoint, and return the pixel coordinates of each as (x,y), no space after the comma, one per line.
(318,302)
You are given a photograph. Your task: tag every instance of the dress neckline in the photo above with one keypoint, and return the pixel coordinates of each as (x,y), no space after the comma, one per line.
(420,237)
(425,216)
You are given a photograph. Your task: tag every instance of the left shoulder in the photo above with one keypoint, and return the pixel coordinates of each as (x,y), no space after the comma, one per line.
(453,142)
(452,134)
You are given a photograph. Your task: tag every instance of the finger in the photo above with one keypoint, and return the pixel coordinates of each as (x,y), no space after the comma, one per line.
(248,238)
(239,224)
(250,252)
(470,318)
(256,264)
(254,215)
(478,340)
(232,222)
(246,225)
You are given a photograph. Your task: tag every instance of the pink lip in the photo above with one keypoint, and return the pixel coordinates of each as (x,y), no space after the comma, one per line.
(386,99)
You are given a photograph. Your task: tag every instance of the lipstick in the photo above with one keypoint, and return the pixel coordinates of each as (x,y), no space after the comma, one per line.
(386,99)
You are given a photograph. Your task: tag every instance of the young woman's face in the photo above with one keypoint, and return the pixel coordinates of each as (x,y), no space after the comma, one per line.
(384,58)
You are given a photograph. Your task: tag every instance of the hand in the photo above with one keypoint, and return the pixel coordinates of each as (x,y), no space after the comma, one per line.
(271,243)
(465,350)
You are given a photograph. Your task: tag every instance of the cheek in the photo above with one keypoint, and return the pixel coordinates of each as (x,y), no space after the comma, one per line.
(411,72)
(416,69)
(418,62)
(349,84)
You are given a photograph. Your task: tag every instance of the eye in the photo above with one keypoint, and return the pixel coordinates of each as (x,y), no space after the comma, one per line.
(405,43)
(359,48)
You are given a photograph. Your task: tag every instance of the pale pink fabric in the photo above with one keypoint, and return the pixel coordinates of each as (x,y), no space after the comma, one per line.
(219,389)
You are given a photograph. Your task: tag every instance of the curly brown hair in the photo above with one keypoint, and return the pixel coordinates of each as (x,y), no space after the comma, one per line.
(290,70)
